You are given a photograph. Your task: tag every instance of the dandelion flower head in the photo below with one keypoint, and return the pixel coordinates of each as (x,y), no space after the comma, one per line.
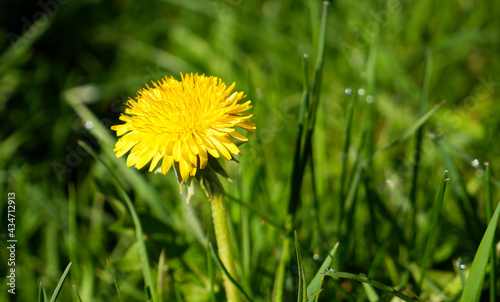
(182,121)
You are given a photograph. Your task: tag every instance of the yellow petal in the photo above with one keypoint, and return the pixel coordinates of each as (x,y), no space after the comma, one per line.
(155,161)
(238,136)
(145,158)
(229,144)
(220,147)
(209,146)
(249,126)
(184,167)
(166,163)
(123,147)
(178,150)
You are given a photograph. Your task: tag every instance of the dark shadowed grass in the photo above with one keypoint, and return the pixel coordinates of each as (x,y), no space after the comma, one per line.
(435,218)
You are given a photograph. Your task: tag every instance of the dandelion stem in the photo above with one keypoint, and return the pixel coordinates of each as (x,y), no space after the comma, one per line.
(226,253)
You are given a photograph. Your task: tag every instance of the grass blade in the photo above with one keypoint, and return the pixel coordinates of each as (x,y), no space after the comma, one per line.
(465,203)
(489,214)
(339,208)
(77,293)
(210,268)
(114,280)
(310,118)
(149,286)
(474,283)
(279,280)
(364,279)
(319,67)
(224,270)
(160,277)
(42,295)
(302,292)
(437,211)
(418,144)
(73,233)
(60,284)
(370,112)
(408,133)
(314,286)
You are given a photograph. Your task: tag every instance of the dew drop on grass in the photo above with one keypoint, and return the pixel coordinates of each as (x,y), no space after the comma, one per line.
(315,256)
(329,270)
(459,264)
(475,163)
(445,170)
(89,125)
(447,179)
(486,163)
(370,99)
(361,91)
(348,91)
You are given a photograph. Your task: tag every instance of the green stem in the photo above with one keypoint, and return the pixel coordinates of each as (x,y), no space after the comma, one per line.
(226,253)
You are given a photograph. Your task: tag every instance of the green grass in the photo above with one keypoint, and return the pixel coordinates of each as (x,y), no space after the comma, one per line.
(361,169)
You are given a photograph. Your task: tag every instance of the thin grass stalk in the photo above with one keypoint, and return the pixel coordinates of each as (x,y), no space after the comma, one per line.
(210,272)
(370,91)
(364,279)
(72,238)
(278,225)
(418,142)
(245,242)
(42,294)
(302,288)
(346,141)
(410,131)
(435,218)
(465,203)
(300,141)
(489,215)
(462,154)
(77,294)
(279,280)
(315,197)
(226,273)
(115,281)
(160,276)
(339,205)
(339,215)
(57,291)
(310,120)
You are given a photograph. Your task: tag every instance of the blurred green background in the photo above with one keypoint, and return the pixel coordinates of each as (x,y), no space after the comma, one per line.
(67,67)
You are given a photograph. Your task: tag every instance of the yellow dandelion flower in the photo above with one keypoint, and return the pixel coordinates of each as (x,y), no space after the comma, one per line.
(183,121)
